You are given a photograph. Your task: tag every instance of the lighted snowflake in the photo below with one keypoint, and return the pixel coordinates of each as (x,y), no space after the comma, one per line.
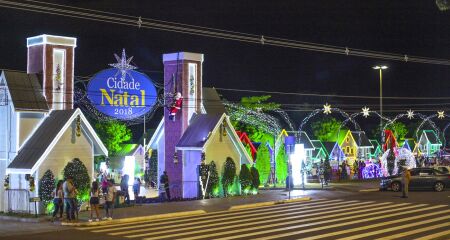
(327,108)
(410,114)
(365,111)
(123,64)
(440,114)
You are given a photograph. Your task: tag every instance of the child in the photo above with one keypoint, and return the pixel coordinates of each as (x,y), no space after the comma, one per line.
(109,204)
(94,200)
(58,200)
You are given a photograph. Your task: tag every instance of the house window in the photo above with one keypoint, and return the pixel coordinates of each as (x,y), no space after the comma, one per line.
(347,139)
(347,150)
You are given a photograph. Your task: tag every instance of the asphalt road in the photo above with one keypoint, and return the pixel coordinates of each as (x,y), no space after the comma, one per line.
(330,215)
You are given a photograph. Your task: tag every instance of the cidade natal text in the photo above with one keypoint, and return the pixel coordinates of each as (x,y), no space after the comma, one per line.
(119,96)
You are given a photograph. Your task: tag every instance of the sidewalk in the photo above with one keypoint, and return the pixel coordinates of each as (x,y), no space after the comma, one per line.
(207,205)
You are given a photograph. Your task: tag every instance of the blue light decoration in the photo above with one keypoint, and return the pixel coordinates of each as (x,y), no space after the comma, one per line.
(121,92)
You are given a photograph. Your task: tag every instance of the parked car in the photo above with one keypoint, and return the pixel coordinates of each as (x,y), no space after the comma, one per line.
(421,178)
(444,169)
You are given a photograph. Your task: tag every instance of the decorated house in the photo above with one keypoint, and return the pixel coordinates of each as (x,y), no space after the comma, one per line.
(304,139)
(429,143)
(319,152)
(356,145)
(40,129)
(335,153)
(199,131)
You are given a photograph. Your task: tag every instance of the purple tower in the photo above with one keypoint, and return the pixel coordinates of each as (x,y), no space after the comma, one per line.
(182,74)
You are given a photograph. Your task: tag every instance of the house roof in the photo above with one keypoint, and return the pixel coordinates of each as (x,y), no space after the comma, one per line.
(305,140)
(199,131)
(329,146)
(409,143)
(432,137)
(361,139)
(212,102)
(47,134)
(375,143)
(25,91)
(157,134)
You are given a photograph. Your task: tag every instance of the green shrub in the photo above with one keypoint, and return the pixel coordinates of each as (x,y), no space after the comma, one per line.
(281,166)
(245,179)
(46,187)
(263,163)
(213,183)
(255,177)
(229,174)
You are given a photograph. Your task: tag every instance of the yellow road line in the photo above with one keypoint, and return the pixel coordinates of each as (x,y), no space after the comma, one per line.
(332,234)
(223,221)
(419,230)
(343,212)
(212,215)
(434,236)
(184,226)
(341,220)
(367,234)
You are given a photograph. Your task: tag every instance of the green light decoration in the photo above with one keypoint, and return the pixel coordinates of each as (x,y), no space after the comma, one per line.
(281,164)
(213,189)
(263,163)
(81,179)
(245,179)
(46,187)
(50,207)
(229,175)
(255,178)
(113,133)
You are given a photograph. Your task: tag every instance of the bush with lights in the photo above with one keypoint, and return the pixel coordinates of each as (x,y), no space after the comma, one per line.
(81,179)
(46,187)
(255,178)
(281,162)
(245,179)
(228,177)
(213,183)
(263,163)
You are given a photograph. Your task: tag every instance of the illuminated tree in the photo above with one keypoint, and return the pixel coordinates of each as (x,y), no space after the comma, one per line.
(229,174)
(81,180)
(113,133)
(46,187)
(263,163)
(327,129)
(255,177)
(281,164)
(245,178)
(398,128)
(213,188)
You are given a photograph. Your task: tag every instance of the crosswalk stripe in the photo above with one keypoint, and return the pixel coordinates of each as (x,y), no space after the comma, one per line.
(214,214)
(435,235)
(412,232)
(277,212)
(353,222)
(342,220)
(344,211)
(332,234)
(221,222)
(367,234)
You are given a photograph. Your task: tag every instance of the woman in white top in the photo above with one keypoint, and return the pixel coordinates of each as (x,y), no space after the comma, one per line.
(58,200)
(94,200)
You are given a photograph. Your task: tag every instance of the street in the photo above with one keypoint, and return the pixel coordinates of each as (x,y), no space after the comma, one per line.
(329,215)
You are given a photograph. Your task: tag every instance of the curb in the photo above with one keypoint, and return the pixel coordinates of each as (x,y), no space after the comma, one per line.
(370,190)
(20,219)
(133,219)
(271,203)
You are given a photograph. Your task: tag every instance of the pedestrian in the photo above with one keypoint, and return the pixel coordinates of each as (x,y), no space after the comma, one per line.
(136,188)
(104,183)
(109,203)
(69,198)
(58,197)
(164,180)
(94,200)
(124,188)
(406,177)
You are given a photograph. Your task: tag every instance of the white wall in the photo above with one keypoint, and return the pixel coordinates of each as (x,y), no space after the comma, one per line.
(219,149)
(27,123)
(191,161)
(161,159)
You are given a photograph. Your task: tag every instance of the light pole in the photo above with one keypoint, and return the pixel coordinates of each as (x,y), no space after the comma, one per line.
(381,68)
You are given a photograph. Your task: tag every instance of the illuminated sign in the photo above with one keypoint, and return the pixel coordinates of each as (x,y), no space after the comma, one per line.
(122,98)
(121,92)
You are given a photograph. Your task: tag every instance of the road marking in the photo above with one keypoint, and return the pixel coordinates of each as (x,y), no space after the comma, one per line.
(142,228)
(347,211)
(272,230)
(214,214)
(225,221)
(434,236)
(332,234)
(367,234)
(420,230)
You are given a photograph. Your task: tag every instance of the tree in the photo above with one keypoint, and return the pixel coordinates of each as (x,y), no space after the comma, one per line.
(281,166)
(229,173)
(263,163)
(46,187)
(398,128)
(113,133)
(255,177)
(213,182)
(245,178)
(327,129)
(81,180)
(443,5)
(259,103)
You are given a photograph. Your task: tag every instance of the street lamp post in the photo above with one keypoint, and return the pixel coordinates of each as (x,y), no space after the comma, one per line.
(381,68)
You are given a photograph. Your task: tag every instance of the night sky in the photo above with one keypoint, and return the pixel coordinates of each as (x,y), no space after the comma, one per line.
(413,27)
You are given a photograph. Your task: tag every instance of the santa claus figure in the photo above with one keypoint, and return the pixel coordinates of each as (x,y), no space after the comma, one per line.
(176,106)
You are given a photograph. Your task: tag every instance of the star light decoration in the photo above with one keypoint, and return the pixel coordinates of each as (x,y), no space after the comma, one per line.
(365,111)
(440,114)
(410,114)
(123,64)
(327,108)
